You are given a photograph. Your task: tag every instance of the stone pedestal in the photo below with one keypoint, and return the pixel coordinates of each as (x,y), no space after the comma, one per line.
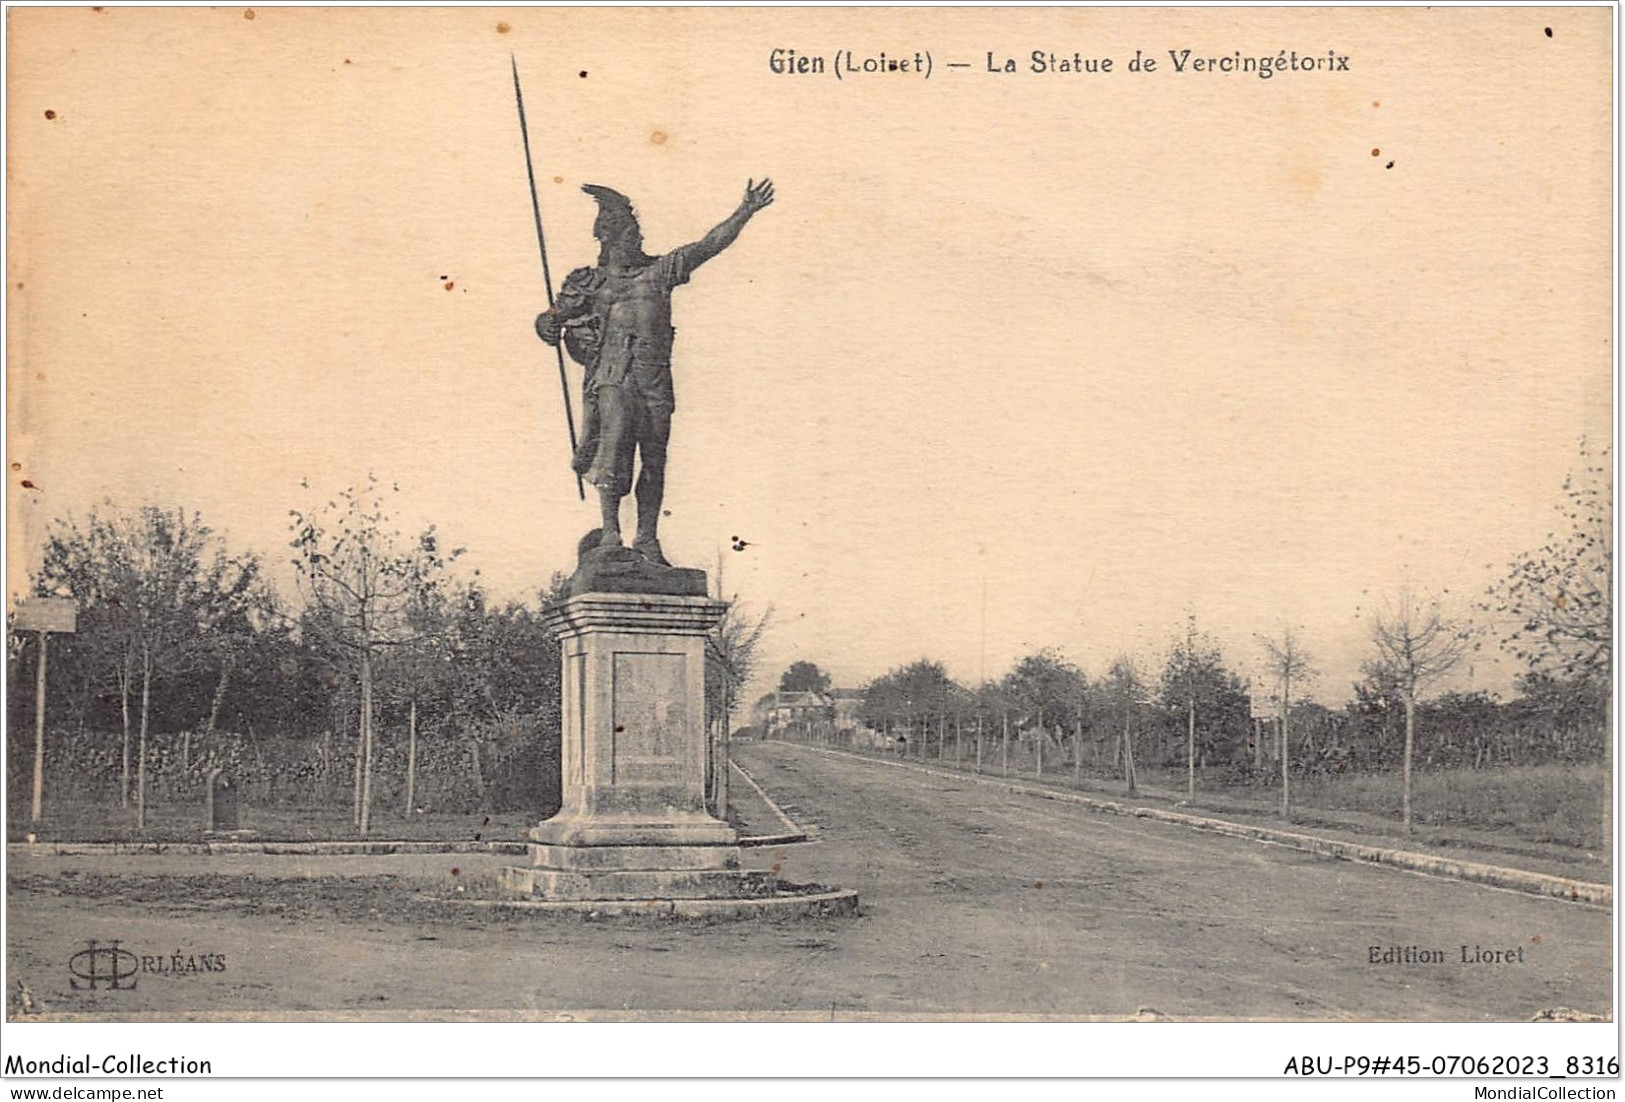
(633,823)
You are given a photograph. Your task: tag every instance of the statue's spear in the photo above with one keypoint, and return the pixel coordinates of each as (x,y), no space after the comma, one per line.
(547,275)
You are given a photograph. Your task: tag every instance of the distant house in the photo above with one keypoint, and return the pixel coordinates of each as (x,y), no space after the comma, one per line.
(785,709)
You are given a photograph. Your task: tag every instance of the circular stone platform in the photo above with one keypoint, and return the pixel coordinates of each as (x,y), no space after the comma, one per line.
(781,905)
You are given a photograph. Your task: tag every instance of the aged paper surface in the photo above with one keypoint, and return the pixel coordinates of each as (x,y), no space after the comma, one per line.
(1040,344)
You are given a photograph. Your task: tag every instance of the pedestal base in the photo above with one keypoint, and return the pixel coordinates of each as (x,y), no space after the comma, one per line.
(635,832)
(602,885)
(582,859)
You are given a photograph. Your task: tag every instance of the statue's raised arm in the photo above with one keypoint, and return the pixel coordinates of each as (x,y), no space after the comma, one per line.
(723,234)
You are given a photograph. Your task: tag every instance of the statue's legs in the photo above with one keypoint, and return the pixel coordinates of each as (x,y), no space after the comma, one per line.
(611,468)
(628,422)
(609,505)
(654,432)
(587,448)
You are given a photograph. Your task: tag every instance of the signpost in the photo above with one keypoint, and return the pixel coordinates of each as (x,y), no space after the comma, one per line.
(43,615)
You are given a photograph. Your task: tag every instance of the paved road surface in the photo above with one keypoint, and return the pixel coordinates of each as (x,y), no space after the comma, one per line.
(974,902)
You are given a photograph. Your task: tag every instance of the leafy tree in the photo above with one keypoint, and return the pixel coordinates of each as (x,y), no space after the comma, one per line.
(1214,700)
(1417,643)
(921,691)
(361,581)
(1045,688)
(479,686)
(1465,723)
(1045,685)
(158,592)
(804,677)
(1560,597)
(1567,717)
(1373,709)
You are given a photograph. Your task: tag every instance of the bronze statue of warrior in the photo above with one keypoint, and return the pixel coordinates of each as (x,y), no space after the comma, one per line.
(615,320)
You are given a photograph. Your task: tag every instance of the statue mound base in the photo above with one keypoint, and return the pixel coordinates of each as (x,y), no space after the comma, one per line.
(623,570)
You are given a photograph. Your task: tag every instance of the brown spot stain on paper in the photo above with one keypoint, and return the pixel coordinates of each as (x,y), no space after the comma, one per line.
(503,28)
(248,13)
(1306,180)
(658,137)
(50,114)
(27,485)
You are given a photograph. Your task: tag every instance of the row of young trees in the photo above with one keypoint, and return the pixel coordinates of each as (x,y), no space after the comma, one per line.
(1197,714)
(1553,612)
(384,672)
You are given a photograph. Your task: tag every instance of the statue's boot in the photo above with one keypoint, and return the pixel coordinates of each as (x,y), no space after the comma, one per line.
(649,548)
(609,503)
(645,542)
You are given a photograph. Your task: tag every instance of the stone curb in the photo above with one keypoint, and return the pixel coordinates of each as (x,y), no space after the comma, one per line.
(279,849)
(791,835)
(312,849)
(1519,880)
(757,841)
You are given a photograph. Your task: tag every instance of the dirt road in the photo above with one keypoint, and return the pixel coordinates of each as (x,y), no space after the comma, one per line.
(974,902)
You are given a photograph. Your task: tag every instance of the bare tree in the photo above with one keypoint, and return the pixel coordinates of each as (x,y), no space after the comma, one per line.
(1417,643)
(1287,662)
(1125,688)
(730,661)
(361,581)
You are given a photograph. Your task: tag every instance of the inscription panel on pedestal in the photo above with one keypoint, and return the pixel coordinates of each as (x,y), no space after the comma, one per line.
(652,718)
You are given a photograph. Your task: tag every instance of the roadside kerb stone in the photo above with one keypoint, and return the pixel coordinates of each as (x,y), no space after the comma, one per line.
(791,835)
(792,832)
(278,849)
(1520,880)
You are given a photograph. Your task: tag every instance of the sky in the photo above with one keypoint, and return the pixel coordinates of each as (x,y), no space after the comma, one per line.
(1015,360)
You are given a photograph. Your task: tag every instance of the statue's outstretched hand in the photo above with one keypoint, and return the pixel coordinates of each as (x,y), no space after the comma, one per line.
(757,195)
(547,327)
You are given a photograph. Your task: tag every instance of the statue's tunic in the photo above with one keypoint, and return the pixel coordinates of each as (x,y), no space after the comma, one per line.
(618,323)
